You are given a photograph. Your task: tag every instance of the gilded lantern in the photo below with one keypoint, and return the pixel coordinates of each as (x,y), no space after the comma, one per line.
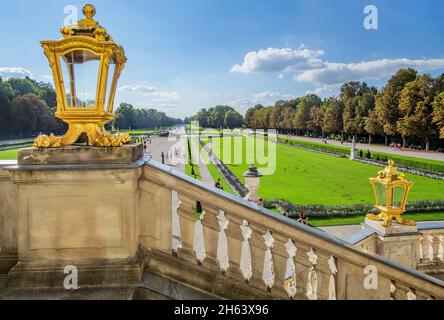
(391,190)
(86,65)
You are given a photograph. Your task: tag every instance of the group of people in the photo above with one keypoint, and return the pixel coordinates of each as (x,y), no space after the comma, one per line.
(396,146)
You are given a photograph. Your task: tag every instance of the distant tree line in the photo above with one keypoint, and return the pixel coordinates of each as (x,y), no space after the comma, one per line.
(218,117)
(410,108)
(27,109)
(128,117)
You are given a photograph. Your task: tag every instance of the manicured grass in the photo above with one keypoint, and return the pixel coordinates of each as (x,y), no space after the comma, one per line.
(137,132)
(305,177)
(216,175)
(9,154)
(190,164)
(339,221)
(214,172)
(426,164)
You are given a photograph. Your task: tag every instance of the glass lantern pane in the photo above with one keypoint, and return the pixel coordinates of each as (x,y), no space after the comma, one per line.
(397,196)
(109,83)
(80,73)
(381,195)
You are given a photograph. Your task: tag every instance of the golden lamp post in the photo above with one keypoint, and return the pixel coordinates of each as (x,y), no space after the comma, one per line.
(391,191)
(86,64)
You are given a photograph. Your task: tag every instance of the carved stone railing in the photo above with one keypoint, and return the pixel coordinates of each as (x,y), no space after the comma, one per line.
(235,249)
(431,248)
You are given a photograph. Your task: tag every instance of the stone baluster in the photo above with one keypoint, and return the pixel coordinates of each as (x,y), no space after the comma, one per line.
(290,283)
(421,249)
(187,218)
(431,248)
(392,290)
(211,229)
(245,261)
(441,248)
(284,251)
(258,249)
(427,249)
(411,295)
(332,281)
(268,274)
(222,250)
(436,246)
(235,239)
(312,282)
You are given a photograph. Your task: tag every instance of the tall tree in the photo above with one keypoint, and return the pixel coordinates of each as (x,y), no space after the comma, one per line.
(333,109)
(304,106)
(373,126)
(316,121)
(387,101)
(416,109)
(438,113)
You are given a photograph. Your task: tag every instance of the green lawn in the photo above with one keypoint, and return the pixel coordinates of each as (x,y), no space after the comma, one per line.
(140,132)
(214,172)
(9,154)
(190,164)
(338,221)
(427,164)
(306,177)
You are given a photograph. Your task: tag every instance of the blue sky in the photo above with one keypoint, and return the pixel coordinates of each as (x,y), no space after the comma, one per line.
(187,54)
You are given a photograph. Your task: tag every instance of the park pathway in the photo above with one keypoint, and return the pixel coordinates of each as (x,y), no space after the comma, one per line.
(166,146)
(431,155)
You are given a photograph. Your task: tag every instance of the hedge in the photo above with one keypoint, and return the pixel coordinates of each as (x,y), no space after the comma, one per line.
(315,210)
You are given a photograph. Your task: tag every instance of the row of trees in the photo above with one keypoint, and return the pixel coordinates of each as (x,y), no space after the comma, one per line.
(409,108)
(129,117)
(27,108)
(218,117)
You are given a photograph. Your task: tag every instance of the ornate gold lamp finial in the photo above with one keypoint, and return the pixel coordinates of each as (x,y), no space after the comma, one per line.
(86,65)
(89,11)
(391,191)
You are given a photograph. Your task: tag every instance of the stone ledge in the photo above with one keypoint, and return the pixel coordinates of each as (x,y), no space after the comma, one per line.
(80,155)
(28,276)
(395,229)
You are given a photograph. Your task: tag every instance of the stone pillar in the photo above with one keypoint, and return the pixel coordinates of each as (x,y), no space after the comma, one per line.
(399,243)
(77,206)
(353,150)
(8,219)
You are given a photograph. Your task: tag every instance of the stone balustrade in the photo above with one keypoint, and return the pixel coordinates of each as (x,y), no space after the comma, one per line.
(431,247)
(235,249)
(232,249)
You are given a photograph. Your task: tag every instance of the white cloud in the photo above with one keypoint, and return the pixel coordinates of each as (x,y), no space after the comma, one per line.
(138,89)
(17,72)
(280,60)
(265,98)
(307,66)
(154,97)
(326,90)
(335,73)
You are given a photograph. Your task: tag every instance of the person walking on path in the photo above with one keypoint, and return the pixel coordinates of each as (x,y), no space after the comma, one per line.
(163,158)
